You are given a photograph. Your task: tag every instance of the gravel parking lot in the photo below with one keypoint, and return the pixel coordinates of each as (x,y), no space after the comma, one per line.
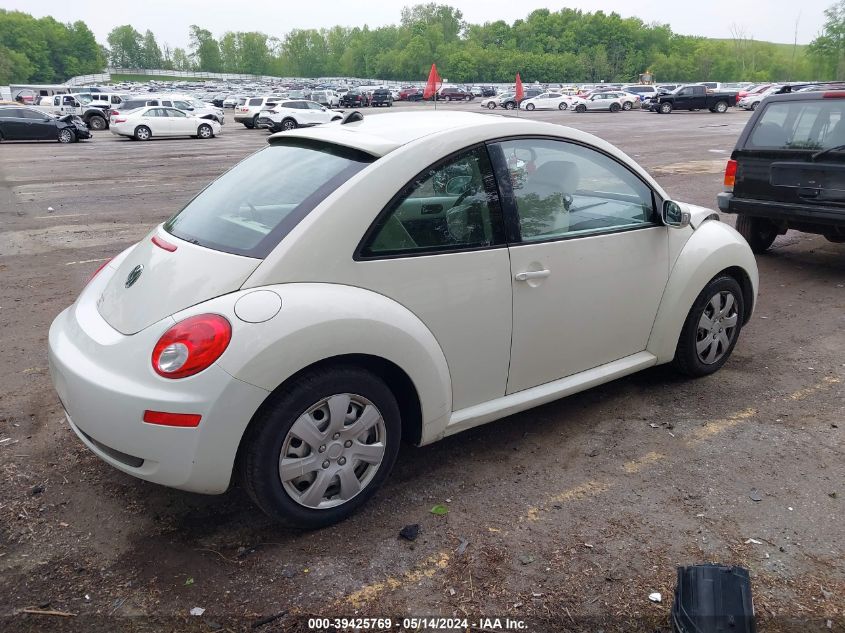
(567,516)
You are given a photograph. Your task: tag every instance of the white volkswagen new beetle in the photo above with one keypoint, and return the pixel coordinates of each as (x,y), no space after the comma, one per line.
(399,276)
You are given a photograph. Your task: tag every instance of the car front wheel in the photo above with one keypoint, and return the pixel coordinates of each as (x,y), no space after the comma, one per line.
(66,136)
(289,124)
(205,131)
(491,106)
(665,108)
(760,233)
(562,105)
(711,329)
(320,448)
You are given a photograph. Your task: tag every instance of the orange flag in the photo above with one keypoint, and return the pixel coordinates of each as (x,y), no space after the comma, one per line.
(432,84)
(520,93)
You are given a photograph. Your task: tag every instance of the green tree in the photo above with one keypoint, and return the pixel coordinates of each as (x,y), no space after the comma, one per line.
(151,56)
(205,50)
(827,51)
(125,47)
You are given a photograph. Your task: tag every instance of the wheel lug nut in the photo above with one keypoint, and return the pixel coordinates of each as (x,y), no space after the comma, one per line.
(341,461)
(347,443)
(322,449)
(326,464)
(335,436)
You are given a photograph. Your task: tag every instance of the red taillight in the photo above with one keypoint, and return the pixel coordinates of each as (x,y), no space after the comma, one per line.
(171,419)
(113,112)
(836,94)
(163,244)
(191,346)
(120,120)
(97,272)
(730,173)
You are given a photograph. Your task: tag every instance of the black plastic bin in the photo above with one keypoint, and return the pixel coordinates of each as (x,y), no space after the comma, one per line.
(713,599)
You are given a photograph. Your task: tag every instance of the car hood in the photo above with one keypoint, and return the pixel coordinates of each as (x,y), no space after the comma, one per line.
(167,281)
(698,215)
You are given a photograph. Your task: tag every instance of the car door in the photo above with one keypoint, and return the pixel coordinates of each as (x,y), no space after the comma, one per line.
(156,120)
(596,102)
(439,250)
(589,259)
(181,124)
(40,126)
(314,113)
(13,125)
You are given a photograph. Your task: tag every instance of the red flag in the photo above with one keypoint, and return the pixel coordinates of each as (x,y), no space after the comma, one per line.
(432,84)
(520,93)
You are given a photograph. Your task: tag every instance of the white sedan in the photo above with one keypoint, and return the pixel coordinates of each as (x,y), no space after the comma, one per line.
(401,276)
(159,121)
(547,101)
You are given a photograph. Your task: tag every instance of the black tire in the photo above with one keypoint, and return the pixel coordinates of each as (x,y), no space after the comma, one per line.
(66,135)
(760,233)
(665,108)
(510,105)
(143,133)
(289,124)
(205,131)
(249,124)
(615,107)
(97,123)
(491,106)
(258,460)
(529,106)
(754,105)
(562,105)
(628,105)
(687,359)
(720,107)
(581,108)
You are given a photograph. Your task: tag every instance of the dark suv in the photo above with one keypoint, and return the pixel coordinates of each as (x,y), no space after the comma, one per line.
(788,169)
(381,97)
(354,99)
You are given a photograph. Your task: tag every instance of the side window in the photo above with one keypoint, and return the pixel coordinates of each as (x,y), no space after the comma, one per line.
(453,205)
(167,103)
(57,101)
(177,114)
(154,112)
(562,189)
(115,99)
(314,106)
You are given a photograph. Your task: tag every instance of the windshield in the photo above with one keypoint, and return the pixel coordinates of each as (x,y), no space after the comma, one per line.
(84,98)
(249,209)
(815,124)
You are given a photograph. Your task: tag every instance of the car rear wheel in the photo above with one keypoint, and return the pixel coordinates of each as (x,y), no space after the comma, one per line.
(615,107)
(711,329)
(760,233)
(754,105)
(581,108)
(529,106)
(143,133)
(289,124)
(665,108)
(205,131)
(562,105)
(510,105)
(97,123)
(66,136)
(319,449)
(721,107)
(491,106)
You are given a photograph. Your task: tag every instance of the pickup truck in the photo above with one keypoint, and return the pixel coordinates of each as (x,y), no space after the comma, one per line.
(693,97)
(61,105)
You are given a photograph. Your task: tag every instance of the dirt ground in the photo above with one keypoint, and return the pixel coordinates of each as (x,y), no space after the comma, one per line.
(563,518)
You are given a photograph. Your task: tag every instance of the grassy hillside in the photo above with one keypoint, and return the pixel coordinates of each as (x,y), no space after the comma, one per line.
(145,78)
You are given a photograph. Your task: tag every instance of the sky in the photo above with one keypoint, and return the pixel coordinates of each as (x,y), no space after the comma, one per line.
(771,20)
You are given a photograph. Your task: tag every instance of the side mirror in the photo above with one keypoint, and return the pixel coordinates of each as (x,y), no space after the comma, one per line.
(674,215)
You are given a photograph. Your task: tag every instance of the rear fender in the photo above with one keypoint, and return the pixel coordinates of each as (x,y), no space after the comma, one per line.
(711,249)
(320,321)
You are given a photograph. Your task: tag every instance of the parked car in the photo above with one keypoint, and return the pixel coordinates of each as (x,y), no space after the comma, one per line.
(66,104)
(628,100)
(355,99)
(546,101)
(510,103)
(142,124)
(753,100)
(328,98)
(232,100)
(381,97)
(249,112)
(492,103)
(24,123)
(187,104)
(693,97)
(289,115)
(340,291)
(411,93)
(645,92)
(598,101)
(786,169)
(453,93)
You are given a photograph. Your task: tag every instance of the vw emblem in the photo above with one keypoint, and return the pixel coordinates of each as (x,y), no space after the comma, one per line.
(133,275)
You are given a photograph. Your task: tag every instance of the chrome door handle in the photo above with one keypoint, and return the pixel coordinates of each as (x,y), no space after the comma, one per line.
(533,274)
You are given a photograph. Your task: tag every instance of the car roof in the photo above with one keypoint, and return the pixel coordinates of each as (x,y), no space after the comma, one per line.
(380,134)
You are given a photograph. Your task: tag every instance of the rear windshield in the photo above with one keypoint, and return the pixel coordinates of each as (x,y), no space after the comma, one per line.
(814,124)
(250,208)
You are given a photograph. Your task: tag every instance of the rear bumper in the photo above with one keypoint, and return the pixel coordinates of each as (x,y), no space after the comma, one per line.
(105,382)
(783,211)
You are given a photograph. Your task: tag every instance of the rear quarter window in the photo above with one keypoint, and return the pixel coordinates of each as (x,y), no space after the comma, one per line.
(813,124)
